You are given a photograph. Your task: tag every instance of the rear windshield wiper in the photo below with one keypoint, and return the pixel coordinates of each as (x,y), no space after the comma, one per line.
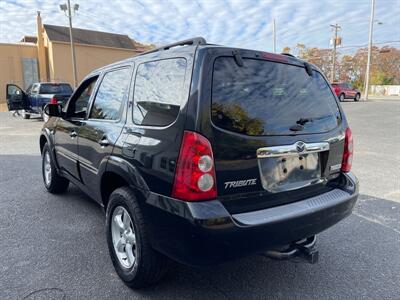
(303,121)
(300,124)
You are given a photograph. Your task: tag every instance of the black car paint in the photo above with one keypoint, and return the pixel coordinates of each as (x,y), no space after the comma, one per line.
(145,158)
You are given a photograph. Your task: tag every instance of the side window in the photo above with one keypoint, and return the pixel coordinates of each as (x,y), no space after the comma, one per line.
(110,95)
(77,107)
(35,89)
(159,91)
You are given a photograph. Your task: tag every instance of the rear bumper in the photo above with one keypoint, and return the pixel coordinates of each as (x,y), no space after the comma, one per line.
(203,233)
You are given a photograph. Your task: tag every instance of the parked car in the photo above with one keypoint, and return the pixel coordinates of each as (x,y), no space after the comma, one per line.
(36,96)
(202,154)
(346,91)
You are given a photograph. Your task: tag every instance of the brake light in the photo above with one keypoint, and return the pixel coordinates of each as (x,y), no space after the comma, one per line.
(53,100)
(195,173)
(274,57)
(348,151)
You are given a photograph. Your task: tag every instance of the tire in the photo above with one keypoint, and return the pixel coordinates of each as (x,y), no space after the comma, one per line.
(341,97)
(53,182)
(25,115)
(357,97)
(144,266)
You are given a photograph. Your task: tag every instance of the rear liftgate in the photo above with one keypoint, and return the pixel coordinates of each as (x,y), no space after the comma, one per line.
(291,167)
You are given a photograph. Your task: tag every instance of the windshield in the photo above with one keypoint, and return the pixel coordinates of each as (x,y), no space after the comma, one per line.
(54,88)
(270,98)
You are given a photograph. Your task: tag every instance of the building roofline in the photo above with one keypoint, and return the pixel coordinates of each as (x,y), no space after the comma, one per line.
(57,33)
(18,44)
(85,29)
(96,46)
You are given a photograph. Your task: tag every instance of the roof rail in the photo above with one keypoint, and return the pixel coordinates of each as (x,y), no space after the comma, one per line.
(193,41)
(288,54)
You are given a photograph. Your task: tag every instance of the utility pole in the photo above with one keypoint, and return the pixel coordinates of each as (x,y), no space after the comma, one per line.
(274,36)
(336,28)
(371,27)
(67,10)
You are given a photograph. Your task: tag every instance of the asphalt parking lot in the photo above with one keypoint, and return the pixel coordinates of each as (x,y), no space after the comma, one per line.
(54,246)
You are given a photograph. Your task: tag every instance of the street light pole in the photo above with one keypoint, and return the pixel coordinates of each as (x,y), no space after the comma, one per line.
(336,28)
(274,36)
(371,27)
(68,11)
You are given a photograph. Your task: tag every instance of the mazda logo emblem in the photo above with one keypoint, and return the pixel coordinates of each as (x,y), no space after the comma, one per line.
(300,146)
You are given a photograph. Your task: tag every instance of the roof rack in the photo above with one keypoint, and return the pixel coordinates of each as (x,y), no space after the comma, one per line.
(288,54)
(193,41)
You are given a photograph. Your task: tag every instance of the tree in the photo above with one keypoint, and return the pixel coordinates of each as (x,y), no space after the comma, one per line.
(385,66)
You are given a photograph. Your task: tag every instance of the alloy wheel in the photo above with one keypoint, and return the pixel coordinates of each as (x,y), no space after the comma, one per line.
(123,237)
(47,168)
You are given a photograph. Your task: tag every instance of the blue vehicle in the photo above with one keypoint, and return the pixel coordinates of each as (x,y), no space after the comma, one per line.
(36,96)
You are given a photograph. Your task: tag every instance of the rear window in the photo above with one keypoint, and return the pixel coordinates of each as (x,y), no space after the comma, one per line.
(269,98)
(49,88)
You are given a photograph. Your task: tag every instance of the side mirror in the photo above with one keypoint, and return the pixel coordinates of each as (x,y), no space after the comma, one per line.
(53,110)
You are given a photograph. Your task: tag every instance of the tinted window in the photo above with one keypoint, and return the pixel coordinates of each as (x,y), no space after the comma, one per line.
(77,107)
(159,90)
(49,88)
(110,95)
(268,98)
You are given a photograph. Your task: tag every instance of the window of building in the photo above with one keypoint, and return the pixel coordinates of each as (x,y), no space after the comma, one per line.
(159,91)
(110,95)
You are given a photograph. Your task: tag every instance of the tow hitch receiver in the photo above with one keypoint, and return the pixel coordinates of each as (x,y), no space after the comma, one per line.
(303,250)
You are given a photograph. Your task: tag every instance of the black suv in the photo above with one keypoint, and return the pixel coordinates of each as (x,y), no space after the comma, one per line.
(201,154)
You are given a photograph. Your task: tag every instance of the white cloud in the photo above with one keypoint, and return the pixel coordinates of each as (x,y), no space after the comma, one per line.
(243,23)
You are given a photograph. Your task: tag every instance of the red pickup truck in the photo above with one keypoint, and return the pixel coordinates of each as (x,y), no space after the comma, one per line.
(346,91)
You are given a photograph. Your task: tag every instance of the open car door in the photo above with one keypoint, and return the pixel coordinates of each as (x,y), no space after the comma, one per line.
(16,98)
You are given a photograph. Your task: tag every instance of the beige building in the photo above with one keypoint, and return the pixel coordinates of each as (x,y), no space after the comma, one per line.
(47,57)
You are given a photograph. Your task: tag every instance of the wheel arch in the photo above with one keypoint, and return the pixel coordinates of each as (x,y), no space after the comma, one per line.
(42,141)
(46,137)
(118,173)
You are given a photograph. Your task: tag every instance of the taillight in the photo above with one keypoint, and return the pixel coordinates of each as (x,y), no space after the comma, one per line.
(195,173)
(53,100)
(348,151)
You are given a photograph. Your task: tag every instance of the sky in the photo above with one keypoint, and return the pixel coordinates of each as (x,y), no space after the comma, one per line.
(238,23)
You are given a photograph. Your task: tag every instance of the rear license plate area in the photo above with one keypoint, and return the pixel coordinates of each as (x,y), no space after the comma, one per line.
(290,172)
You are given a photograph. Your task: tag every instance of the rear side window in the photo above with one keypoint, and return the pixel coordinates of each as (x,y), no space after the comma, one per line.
(159,91)
(269,98)
(49,88)
(110,95)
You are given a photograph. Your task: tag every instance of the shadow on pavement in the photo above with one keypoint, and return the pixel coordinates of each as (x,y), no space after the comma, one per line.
(55,244)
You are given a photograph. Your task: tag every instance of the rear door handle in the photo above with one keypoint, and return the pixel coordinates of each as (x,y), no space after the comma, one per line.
(104,142)
(73,134)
